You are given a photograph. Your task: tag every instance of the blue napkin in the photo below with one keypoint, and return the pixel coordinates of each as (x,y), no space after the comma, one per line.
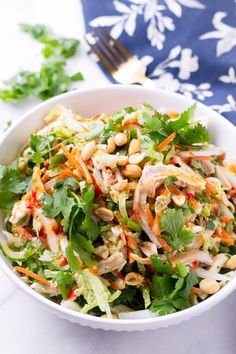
(189,45)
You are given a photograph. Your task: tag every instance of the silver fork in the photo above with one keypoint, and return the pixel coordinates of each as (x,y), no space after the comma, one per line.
(124,67)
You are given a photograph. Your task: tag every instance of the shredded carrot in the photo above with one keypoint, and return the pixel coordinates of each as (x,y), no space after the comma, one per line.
(71,159)
(31,274)
(94,270)
(156,231)
(225,238)
(149,215)
(225,219)
(127,121)
(78,165)
(164,244)
(165,142)
(202,158)
(23,232)
(85,170)
(131,258)
(66,173)
(194,290)
(193,202)
(214,208)
(155,227)
(131,242)
(210,187)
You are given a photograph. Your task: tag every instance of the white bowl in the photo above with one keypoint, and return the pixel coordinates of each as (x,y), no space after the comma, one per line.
(110,99)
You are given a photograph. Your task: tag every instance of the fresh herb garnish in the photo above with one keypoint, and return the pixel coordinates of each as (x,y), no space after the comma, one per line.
(172,227)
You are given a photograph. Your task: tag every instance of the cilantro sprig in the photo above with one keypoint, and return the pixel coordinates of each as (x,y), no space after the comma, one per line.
(173,230)
(52,78)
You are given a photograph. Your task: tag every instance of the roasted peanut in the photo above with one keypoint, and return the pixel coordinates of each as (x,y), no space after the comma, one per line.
(111,145)
(102,251)
(120,139)
(134,146)
(209,286)
(136,158)
(122,160)
(132,171)
(231,263)
(88,150)
(134,279)
(120,186)
(104,214)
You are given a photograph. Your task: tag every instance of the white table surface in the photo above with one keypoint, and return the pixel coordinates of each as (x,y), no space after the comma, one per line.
(26,328)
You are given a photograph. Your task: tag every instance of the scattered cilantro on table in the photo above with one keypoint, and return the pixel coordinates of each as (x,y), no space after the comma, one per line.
(52,78)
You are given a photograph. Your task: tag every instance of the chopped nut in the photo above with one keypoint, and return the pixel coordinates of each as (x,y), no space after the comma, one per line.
(148,248)
(231,263)
(209,286)
(104,214)
(111,145)
(132,171)
(134,279)
(120,186)
(134,146)
(136,158)
(120,139)
(102,251)
(88,150)
(122,160)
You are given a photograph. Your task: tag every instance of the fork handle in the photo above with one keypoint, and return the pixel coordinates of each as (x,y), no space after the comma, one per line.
(147,82)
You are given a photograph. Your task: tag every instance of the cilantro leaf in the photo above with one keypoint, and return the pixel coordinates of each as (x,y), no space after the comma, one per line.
(57,160)
(151,123)
(181,122)
(170,180)
(171,292)
(65,47)
(72,259)
(194,134)
(160,266)
(172,226)
(12,181)
(64,280)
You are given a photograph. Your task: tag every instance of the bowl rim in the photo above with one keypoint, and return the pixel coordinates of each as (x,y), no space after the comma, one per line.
(183,314)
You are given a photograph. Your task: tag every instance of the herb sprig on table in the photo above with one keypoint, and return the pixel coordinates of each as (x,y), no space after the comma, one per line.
(51,79)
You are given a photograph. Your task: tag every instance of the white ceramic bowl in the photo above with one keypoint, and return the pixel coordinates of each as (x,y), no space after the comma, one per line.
(110,99)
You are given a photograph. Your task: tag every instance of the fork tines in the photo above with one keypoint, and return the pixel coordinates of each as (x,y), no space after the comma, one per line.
(109,50)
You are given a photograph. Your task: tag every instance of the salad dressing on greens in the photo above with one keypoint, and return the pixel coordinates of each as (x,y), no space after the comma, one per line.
(119,213)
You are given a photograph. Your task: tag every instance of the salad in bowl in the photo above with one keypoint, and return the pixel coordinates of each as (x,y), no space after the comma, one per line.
(123,213)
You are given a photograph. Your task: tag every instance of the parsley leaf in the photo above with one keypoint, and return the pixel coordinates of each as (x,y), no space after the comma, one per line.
(172,226)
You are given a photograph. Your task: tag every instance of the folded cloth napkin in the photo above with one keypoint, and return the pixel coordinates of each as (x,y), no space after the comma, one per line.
(189,45)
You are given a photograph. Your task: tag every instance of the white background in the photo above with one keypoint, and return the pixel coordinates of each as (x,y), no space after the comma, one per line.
(25,328)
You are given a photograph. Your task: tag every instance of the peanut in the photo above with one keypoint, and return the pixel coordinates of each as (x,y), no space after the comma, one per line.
(120,139)
(111,145)
(209,286)
(88,150)
(102,251)
(231,263)
(134,146)
(179,200)
(134,279)
(136,158)
(120,186)
(122,160)
(132,171)
(104,214)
